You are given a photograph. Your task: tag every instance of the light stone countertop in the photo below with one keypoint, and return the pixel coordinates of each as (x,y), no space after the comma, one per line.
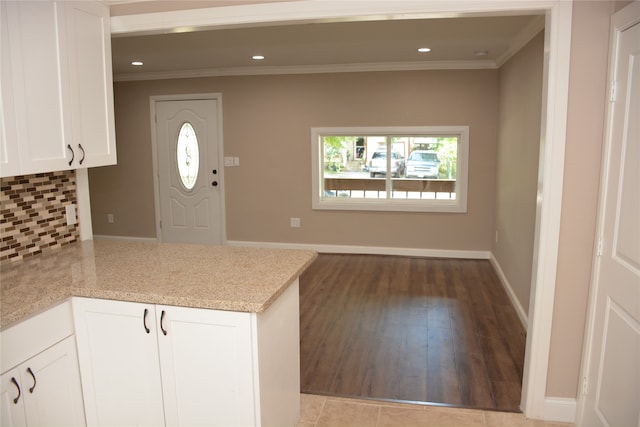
(214,277)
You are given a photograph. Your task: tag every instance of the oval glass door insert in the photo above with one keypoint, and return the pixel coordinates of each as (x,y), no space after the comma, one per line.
(188,156)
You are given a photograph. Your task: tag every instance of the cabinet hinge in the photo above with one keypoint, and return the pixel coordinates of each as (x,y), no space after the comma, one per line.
(600,245)
(613,92)
(585,382)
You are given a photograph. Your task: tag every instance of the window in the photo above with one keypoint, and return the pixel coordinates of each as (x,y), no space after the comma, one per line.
(187,156)
(421,169)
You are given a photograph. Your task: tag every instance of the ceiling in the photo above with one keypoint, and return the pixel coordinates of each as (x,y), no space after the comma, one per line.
(326,47)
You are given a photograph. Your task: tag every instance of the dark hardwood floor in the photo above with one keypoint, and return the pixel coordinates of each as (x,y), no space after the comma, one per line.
(411,329)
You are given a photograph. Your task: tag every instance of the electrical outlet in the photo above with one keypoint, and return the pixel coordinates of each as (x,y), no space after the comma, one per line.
(70,211)
(294,222)
(110,218)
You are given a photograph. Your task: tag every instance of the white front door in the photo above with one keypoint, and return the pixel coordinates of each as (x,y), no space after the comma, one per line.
(611,383)
(189,183)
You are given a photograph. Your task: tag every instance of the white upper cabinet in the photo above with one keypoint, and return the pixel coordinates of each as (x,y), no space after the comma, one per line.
(9,161)
(57,90)
(90,71)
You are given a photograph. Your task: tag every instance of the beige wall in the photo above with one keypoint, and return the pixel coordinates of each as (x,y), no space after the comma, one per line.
(126,190)
(267,122)
(520,104)
(585,128)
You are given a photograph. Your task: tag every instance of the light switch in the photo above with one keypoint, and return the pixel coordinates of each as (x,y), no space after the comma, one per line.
(228,161)
(236,161)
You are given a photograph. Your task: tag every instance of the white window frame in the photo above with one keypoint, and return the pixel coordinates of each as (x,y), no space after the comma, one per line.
(459,205)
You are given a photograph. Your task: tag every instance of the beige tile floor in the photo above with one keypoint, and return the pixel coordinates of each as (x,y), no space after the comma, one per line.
(322,411)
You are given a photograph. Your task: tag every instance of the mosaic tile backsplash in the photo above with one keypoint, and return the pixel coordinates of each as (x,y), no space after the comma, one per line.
(32,214)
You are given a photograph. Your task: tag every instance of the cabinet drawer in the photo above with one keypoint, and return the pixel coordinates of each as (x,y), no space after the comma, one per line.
(35,334)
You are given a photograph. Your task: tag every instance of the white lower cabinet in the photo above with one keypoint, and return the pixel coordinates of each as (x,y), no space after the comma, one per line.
(12,412)
(206,367)
(44,389)
(153,365)
(119,364)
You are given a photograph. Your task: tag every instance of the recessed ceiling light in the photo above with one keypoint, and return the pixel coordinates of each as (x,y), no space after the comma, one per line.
(137,63)
(481,52)
(257,57)
(424,50)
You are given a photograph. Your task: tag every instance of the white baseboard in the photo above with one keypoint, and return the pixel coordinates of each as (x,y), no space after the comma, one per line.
(560,409)
(512,295)
(135,239)
(366,250)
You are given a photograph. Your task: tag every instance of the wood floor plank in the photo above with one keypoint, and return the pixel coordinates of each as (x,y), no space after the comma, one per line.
(475,387)
(442,377)
(408,328)
(412,382)
(506,395)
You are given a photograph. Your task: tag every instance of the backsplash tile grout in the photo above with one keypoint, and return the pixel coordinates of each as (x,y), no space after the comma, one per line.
(32,214)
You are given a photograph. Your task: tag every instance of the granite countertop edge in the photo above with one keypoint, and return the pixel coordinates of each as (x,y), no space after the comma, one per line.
(252,298)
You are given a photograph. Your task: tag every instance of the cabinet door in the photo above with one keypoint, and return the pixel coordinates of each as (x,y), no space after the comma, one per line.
(51,387)
(9,160)
(39,72)
(89,37)
(119,366)
(207,367)
(12,400)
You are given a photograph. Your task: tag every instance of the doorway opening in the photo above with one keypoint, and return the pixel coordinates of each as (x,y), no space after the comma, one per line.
(557,40)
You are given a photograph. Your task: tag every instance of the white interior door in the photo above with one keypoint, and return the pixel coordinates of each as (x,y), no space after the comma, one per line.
(612,365)
(188,171)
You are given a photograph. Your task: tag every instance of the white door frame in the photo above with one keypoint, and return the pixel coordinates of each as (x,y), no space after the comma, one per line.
(535,403)
(154,153)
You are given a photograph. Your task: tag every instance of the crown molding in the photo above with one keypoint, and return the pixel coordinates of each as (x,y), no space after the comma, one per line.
(521,40)
(308,69)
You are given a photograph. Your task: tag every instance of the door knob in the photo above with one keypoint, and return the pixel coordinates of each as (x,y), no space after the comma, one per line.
(215,171)
(214,183)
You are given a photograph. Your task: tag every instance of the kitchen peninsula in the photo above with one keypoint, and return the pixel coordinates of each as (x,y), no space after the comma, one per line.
(166,334)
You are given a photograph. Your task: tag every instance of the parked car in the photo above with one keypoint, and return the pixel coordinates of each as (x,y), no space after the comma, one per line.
(423,164)
(378,163)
